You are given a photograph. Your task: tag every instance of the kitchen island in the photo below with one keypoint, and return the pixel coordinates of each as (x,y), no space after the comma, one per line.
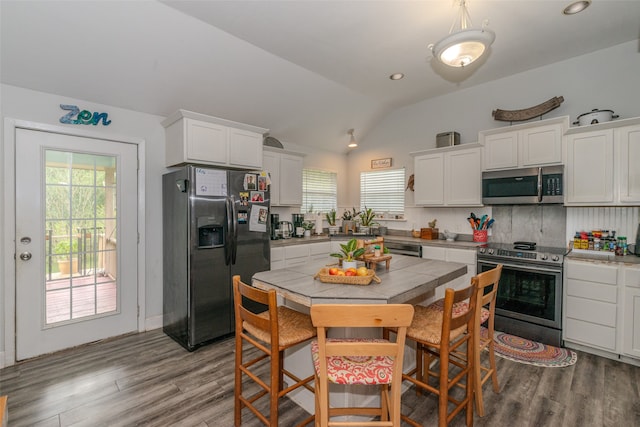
(409,280)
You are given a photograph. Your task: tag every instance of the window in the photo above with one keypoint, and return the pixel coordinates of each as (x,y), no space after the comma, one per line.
(319,190)
(382,191)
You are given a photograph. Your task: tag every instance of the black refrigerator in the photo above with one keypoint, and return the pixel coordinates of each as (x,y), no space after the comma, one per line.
(215,225)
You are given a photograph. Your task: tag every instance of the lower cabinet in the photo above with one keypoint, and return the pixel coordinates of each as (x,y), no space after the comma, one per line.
(631,324)
(591,304)
(602,306)
(464,256)
(295,255)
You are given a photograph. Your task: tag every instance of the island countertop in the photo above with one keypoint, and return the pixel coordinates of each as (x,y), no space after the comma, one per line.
(408,280)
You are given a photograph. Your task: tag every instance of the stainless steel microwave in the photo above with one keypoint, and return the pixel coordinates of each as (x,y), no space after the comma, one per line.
(523,186)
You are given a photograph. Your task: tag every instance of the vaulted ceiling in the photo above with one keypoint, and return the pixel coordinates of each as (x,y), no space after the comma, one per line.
(307,70)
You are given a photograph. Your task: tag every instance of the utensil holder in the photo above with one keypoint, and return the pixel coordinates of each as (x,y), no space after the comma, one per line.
(480,236)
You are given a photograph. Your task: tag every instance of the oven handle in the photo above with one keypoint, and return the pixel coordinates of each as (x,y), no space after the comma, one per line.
(522,267)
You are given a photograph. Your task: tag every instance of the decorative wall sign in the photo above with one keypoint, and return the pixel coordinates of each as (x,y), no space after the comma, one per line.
(381,163)
(84,117)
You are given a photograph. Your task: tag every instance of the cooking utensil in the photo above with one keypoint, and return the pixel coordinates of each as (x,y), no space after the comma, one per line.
(595,116)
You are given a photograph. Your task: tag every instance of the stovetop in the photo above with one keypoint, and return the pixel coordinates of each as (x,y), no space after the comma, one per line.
(522,253)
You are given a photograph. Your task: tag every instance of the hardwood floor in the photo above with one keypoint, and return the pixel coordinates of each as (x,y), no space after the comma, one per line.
(148,379)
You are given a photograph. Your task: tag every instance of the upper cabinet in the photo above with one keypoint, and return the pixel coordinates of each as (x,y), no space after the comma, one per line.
(197,138)
(525,145)
(602,165)
(448,176)
(285,170)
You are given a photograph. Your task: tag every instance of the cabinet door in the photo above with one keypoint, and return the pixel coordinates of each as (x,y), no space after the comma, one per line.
(429,179)
(245,148)
(541,146)
(631,327)
(590,167)
(290,180)
(628,142)
(271,164)
(463,178)
(501,151)
(206,142)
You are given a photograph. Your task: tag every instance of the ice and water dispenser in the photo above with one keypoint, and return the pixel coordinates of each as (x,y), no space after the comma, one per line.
(210,233)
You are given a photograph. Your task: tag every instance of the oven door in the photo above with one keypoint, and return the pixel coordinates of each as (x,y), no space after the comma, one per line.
(529,293)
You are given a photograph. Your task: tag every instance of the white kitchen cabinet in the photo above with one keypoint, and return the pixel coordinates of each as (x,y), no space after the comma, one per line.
(590,311)
(300,254)
(525,145)
(464,256)
(631,317)
(589,169)
(277,258)
(448,176)
(602,167)
(628,143)
(201,139)
(285,169)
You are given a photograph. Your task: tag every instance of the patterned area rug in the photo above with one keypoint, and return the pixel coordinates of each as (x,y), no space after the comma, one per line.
(530,352)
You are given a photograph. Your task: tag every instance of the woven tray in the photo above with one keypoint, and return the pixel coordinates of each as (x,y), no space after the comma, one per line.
(325,277)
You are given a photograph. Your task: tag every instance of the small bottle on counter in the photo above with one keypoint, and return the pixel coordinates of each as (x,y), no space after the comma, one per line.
(596,243)
(376,251)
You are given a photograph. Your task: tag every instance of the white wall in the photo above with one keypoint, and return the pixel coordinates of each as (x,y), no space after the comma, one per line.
(606,79)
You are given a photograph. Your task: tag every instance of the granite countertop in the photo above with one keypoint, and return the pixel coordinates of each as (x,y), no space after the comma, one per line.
(460,244)
(409,279)
(604,257)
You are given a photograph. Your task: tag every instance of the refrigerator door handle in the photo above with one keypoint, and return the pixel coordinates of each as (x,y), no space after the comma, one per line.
(228,242)
(234,223)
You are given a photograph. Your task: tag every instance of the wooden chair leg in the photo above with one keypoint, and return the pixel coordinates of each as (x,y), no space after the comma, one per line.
(274,387)
(237,416)
(492,364)
(477,374)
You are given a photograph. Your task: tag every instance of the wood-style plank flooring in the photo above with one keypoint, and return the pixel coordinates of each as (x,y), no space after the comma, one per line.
(149,380)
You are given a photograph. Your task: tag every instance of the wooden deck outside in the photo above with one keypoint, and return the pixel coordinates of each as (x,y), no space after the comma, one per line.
(74,297)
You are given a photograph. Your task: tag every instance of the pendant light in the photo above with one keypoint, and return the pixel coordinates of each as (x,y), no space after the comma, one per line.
(462,47)
(352,140)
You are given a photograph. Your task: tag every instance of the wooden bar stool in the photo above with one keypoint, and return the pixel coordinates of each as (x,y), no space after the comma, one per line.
(438,335)
(271,332)
(359,361)
(487,284)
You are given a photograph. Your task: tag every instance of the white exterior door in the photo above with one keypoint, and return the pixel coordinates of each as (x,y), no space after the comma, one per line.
(76,241)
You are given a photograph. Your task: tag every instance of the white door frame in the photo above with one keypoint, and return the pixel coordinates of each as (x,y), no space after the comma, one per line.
(9,226)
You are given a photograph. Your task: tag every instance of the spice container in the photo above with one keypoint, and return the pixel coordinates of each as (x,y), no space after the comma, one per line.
(376,252)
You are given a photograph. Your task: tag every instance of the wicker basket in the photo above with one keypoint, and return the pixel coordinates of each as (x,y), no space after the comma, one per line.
(325,277)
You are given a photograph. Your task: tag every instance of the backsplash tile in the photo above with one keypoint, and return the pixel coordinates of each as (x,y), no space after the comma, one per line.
(542,224)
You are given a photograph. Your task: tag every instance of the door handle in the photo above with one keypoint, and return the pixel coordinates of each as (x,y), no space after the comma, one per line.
(25,256)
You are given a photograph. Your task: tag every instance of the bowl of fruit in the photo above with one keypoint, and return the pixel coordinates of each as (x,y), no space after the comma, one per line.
(348,276)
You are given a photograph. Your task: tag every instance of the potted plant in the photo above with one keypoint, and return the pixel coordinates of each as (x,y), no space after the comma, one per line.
(308,226)
(331,219)
(348,220)
(348,253)
(367,217)
(63,249)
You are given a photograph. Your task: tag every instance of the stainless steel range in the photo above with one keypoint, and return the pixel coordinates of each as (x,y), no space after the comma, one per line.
(529,301)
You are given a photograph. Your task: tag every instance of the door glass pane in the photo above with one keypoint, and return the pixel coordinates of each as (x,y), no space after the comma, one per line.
(80,235)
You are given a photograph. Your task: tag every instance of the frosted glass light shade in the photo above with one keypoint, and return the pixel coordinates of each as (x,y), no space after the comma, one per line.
(463,47)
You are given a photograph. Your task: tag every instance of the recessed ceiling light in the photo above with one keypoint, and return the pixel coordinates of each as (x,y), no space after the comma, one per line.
(396,76)
(576,6)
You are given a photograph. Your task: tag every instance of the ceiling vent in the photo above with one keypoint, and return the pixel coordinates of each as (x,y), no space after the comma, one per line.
(270,141)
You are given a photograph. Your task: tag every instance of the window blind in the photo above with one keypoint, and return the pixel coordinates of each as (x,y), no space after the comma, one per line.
(319,190)
(382,191)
